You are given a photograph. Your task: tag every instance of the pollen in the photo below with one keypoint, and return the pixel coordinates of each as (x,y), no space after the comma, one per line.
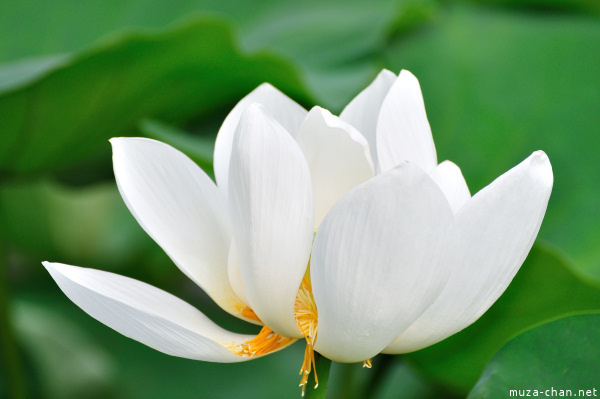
(305,311)
(367,363)
(265,342)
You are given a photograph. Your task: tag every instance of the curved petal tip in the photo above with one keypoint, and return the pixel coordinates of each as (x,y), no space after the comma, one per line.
(541,167)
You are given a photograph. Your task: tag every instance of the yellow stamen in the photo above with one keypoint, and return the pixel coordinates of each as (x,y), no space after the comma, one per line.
(248,313)
(307,366)
(265,342)
(305,311)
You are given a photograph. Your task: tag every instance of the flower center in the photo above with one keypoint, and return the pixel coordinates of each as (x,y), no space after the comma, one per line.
(306,315)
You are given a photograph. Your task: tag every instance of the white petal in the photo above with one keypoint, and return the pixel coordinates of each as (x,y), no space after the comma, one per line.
(495,231)
(286,111)
(272,210)
(377,263)
(337,155)
(362,112)
(403,132)
(452,183)
(233,271)
(146,314)
(181,209)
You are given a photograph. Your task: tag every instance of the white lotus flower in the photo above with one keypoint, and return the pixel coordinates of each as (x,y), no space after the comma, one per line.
(402,258)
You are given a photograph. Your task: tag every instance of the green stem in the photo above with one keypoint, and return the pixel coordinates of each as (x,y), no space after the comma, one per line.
(378,373)
(9,353)
(322,366)
(343,380)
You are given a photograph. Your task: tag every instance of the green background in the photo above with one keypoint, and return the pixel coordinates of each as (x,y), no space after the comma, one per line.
(500,78)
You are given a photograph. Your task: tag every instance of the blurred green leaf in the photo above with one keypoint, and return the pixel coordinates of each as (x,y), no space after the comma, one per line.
(335,44)
(67,362)
(499,85)
(38,28)
(68,113)
(560,355)
(412,14)
(591,6)
(20,73)
(86,226)
(543,289)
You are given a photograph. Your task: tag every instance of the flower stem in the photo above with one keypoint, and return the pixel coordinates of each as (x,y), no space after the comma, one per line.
(378,373)
(322,366)
(10,360)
